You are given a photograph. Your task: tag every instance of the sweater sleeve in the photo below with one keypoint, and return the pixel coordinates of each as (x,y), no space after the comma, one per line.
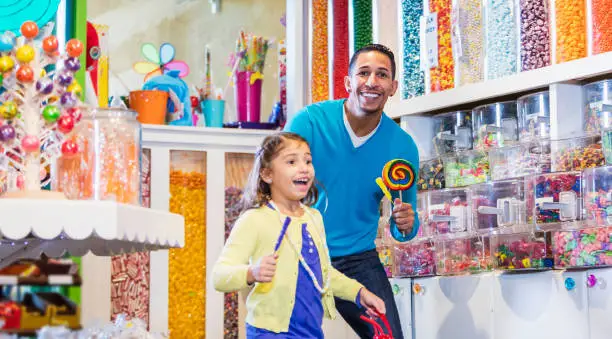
(301,124)
(230,270)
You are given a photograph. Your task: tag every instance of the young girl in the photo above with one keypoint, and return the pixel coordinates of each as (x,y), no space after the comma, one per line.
(278,244)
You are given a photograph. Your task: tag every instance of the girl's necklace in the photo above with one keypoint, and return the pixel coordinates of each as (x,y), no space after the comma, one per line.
(321,289)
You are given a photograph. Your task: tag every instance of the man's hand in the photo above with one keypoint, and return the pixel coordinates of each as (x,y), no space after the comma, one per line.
(403,214)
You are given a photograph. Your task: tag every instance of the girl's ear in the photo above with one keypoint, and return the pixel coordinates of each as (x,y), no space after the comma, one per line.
(266,176)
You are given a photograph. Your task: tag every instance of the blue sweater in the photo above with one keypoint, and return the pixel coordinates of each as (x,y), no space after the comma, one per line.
(348,175)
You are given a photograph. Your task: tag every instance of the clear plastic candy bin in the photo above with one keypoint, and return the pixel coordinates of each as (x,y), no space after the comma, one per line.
(534,116)
(554,198)
(598,106)
(468,254)
(431,175)
(582,246)
(495,125)
(385,254)
(597,184)
(523,250)
(527,158)
(465,168)
(576,154)
(453,132)
(448,211)
(606,141)
(498,204)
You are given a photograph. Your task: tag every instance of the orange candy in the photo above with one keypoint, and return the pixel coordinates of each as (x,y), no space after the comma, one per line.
(570,25)
(443,77)
(25,74)
(602,26)
(50,44)
(74,48)
(29,29)
(320,62)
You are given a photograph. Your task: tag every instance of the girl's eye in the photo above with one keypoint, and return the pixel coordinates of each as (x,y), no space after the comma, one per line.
(291,162)
(309,162)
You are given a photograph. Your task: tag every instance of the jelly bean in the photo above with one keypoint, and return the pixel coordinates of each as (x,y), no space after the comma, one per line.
(535,34)
(570,26)
(442,77)
(501,38)
(320,61)
(602,26)
(466,169)
(576,155)
(468,37)
(413,78)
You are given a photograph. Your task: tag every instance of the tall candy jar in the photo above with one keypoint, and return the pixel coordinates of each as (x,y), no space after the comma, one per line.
(495,125)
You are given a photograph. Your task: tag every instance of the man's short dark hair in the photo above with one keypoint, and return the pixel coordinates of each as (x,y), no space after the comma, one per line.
(378,48)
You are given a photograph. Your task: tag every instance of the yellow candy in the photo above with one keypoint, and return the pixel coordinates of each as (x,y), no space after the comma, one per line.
(25,54)
(9,110)
(75,88)
(6,63)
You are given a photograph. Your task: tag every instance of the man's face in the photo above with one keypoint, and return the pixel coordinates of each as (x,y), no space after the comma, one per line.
(369,83)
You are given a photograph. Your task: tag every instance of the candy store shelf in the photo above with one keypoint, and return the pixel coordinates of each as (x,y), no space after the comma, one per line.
(525,81)
(31,227)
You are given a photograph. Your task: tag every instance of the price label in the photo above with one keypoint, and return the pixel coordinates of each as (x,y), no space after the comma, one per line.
(431,39)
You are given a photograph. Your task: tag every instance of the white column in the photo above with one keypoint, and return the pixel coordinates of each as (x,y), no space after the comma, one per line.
(297,56)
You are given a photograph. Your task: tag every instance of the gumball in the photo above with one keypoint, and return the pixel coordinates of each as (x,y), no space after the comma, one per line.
(194,101)
(25,54)
(7,133)
(65,123)
(29,29)
(6,63)
(75,113)
(44,86)
(74,48)
(75,88)
(9,110)
(49,44)
(25,74)
(72,64)
(7,42)
(30,143)
(70,148)
(68,99)
(64,79)
(51,113)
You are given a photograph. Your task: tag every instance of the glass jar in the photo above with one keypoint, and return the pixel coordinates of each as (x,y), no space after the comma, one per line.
(108,163)
(535,37)
(553,198)
(465,168)
(498,204)
(468,41)
(576,154)
(495,125)
(598,106)
(501,46)
(453,132)
(431,175)
(469,254)
(534,116)
(448,211)
(521,250)
(520,160)
(598,195)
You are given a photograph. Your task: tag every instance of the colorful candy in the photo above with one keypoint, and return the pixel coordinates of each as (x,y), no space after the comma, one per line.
(456,207)
(518,161)
(320,61)
(577,154)
(606,141)
(398,175)
(501,38)
(463,256)
(570,27)
(602,26)
(521,252)
(431,175)
(597,117)
(468,41)
(413,78)
(588,247)
(534,34)
(442,77)
(548,188)
(230,315)
(414,259)
(385,254)
(362,23)
(466,168)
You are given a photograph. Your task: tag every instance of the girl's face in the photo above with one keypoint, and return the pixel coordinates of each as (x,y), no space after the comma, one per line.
(291,173)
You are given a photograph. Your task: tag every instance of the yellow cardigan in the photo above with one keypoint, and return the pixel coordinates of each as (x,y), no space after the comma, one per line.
(254,236)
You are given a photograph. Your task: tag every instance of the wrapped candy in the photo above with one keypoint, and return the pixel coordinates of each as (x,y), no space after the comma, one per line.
(463,255)
(588,247)
(522,251)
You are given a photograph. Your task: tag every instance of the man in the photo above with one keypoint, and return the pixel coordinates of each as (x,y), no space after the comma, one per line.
(351,140)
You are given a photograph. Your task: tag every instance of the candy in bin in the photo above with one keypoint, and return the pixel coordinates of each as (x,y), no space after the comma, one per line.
(532,157)
(598,195)
(465,168)
(534,116)
(576,154)
(495,125)
(582,245)
(431,175)
(498,204)
(415,258)
(554,198)
(598,106)
(521,248)
(464,254)
(385,254)
(453,132)
(448,211)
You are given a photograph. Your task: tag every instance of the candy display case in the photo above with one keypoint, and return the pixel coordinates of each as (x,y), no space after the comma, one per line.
(495,125)
(468,41)
(532,157)
(597,183)
(519,248)
(554,198)
(576,154)
(464,254)
(431,175)
(453,132)
(534,34)
(498,204)
(597,106)
(449,211)
(570,29)
(534,116)
(465,168)
(501,41)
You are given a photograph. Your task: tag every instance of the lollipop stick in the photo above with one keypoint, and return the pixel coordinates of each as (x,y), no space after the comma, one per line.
(401,202)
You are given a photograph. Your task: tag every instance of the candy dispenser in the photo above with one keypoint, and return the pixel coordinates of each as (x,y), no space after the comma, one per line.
(521,248)
(534,34)
(415,258)
(448,211)
(441,76)
(597,184)
(498,204)
(501,41)
(534,116)
(598,106)
(600,37)
(413,77)
(466,254)
(468,41)
(519,160)
(554,198)
(187,266)
(569,31)
(577,154)
(465,168)
(431,175)
(384,241)
(453,132)
(108,165)
(495,125)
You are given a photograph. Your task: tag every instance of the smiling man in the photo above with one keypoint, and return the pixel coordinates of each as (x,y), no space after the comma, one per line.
(351,140)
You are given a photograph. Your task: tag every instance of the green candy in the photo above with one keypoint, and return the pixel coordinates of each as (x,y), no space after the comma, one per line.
(51,113)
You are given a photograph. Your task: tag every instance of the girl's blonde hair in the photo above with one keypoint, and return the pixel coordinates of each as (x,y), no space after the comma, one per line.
(257,191)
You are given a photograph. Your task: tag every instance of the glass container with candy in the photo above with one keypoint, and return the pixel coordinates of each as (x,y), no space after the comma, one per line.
(448,211)
(521,247)
(534,116)
(535,37)
(431,175)
(588,244)
(109,164)
(465,168)
(468,41)
(553,198)
(416,258)
(498,204)
(598,106)
(453,132)
(531,157)
(495,125)
(606,141)
(501,41)
(576,154)
(462,254)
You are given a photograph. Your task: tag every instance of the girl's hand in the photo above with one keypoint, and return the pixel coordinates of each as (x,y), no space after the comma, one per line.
(263,271)
(373,304)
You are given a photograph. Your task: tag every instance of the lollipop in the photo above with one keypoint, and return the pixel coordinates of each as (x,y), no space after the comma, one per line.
(397,175)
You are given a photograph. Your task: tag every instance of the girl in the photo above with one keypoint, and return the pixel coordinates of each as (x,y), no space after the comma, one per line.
(294,282)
